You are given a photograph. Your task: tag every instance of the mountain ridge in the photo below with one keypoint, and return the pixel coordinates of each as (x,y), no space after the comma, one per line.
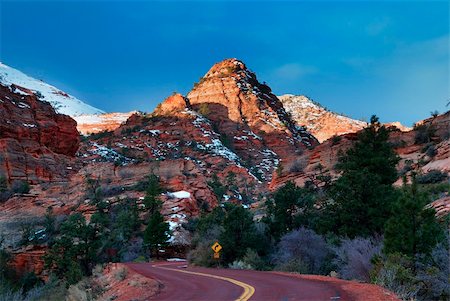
(61,101)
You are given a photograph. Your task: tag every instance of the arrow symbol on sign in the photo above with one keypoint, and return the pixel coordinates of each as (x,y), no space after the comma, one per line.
(216,247)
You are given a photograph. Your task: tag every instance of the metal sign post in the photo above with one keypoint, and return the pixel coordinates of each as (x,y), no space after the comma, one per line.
(216,247)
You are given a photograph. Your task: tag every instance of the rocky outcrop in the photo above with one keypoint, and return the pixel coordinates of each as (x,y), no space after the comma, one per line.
(172,104)
(36,144)
(249,116)
(321,122)
(29,259)
(91,124)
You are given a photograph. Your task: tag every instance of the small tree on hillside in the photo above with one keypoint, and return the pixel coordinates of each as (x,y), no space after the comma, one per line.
(151,201)
(3,184)
(157,233)
(203,109)
(413,228)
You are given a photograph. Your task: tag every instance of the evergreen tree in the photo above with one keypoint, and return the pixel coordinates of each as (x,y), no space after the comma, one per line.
(157,233)
(217,187)
(7,274)
(74,253)
(290,208)
(3,184)
(363,195)
(49,223)
(231,181)
(239,233)
(151,201)
(413,228)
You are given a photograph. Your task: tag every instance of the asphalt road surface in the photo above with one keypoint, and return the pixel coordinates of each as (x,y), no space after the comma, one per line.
(193,283)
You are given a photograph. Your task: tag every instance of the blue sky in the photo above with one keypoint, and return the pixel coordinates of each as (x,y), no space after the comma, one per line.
(389,58)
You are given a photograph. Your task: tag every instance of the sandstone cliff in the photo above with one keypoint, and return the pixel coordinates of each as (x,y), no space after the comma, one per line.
(36,144)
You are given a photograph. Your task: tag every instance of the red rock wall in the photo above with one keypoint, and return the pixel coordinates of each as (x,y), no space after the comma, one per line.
(35,142)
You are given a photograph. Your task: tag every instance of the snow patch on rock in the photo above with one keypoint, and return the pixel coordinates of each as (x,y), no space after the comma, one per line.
(62,102)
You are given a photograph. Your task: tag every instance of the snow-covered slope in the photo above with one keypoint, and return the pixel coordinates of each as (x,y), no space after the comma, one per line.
(89,124)
(62,102)
(322,123)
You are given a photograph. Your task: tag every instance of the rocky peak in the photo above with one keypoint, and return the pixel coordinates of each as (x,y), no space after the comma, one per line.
(171,104)
(320,121)
(225,68)
(232,97)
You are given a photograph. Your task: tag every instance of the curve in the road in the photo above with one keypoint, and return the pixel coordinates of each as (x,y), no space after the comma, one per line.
(248,289)
(183,282)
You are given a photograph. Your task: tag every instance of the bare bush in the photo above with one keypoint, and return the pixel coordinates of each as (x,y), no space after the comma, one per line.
(298,165)
(434,275)
(240,265)
(133,250)
(353,257)
(304,249)
(121,274)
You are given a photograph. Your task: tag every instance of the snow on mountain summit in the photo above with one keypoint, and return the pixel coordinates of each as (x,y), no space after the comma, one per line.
(62,102)
(322,123)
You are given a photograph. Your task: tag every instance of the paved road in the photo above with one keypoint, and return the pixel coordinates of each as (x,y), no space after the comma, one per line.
(193,283)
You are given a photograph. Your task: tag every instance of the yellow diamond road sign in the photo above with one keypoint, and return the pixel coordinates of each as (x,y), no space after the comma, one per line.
(216,247)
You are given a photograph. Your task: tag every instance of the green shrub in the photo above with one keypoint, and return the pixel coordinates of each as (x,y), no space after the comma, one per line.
(431,177)
(101,135)
(295,265)
(430,150)
(254,261)
(21,187)
(203,109)
(396,274)
(424,133)
(3,184)
(240,265)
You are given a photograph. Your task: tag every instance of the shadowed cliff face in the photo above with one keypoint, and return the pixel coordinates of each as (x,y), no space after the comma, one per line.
(35,143)
(250,104)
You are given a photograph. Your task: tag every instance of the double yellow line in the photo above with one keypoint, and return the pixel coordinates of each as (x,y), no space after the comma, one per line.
(248,289)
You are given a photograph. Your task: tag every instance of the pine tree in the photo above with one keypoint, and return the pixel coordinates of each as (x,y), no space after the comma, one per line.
(151,201)
(413,228)
(363,195)
(3,184)
(239,233)
(74,253)
(157,233)
(290,208)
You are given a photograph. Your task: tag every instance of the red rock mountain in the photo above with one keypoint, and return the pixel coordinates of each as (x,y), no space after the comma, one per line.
(321,122)
(229,139)
(36,144)
(248,115)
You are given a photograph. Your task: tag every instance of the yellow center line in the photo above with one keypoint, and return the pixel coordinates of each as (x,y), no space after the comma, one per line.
(248,289)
